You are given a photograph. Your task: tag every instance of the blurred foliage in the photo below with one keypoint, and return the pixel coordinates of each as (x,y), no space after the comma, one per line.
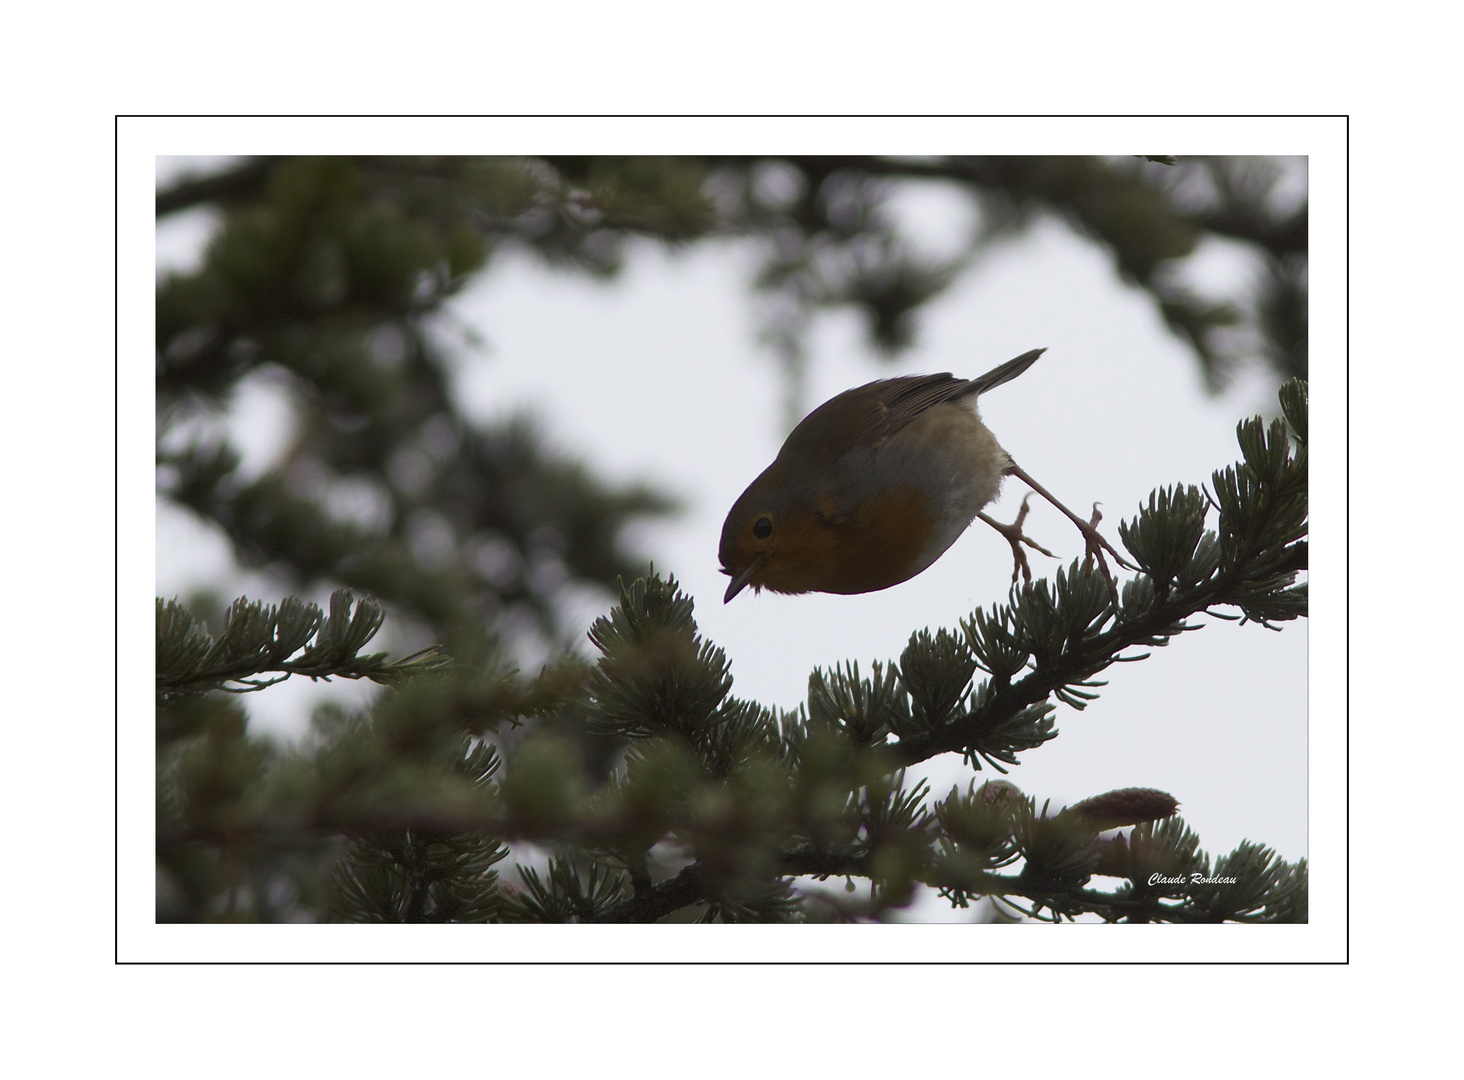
(656,794)
(831,236)
(327,276)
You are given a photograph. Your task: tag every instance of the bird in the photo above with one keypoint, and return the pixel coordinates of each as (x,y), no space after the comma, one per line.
(876,484)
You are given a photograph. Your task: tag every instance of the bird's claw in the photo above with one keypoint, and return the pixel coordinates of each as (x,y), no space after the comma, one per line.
(1095,547)
(1016,538)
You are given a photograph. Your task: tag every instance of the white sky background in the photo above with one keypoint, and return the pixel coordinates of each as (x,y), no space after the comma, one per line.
(658,376)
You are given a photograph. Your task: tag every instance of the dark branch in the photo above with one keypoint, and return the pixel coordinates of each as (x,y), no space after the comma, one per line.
(231,185)
(676,892)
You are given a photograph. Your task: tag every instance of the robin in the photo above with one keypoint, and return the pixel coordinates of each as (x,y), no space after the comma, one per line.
(875,484)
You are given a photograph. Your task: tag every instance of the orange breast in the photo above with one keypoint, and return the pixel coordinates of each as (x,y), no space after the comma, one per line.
(870,545)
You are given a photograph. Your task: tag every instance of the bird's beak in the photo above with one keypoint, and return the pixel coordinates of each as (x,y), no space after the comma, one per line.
(740,581)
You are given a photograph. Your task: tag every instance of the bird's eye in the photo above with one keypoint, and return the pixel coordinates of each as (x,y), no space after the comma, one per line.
(762,528)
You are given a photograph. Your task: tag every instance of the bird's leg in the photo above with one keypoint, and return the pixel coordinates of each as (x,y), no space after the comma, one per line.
(1016,538)
(1096,545)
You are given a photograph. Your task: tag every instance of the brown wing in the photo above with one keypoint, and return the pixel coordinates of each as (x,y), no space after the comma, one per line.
(906,398)
(870,414)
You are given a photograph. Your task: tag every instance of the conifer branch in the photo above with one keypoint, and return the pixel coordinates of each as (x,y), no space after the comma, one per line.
(295,638)
(1068,634)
